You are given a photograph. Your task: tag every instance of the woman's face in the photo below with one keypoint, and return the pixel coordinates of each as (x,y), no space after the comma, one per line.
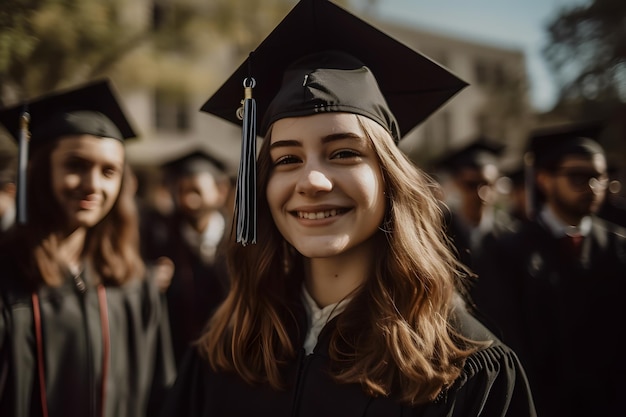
(86,177)
(325,191)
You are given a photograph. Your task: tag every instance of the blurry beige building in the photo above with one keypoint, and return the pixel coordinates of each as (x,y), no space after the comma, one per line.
(495,104)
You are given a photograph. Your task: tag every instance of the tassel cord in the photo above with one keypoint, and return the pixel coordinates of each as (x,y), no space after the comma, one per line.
(246,207)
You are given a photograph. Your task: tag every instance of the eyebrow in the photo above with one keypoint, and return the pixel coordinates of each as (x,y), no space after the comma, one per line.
(326,139)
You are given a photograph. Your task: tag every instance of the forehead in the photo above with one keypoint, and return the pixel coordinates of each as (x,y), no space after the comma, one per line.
(596,161)
(196,179)
(315,126)
(96,146)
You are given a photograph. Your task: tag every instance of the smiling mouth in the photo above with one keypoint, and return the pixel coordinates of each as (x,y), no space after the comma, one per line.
(316,215)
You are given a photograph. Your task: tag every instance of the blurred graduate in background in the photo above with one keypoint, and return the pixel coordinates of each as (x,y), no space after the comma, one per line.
(82,332)
(191,238)
(558,284)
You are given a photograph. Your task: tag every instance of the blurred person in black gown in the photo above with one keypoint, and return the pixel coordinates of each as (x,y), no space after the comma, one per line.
(8,170)
(468,175)
(560,279)
(190,240)
(514,209)
(509,217)
(344,296)
(614,207)
(82,332)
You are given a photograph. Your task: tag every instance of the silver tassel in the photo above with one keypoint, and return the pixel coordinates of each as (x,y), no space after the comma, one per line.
(245,200)
(22,168)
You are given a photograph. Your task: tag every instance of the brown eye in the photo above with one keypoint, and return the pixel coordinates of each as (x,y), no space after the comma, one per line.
(75,165)
(345,153)
(286,159)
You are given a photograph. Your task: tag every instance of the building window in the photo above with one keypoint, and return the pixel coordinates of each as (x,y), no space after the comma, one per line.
(482,124)
(481,72)
(171,111)
(446,128)
(499,76)
(158,15)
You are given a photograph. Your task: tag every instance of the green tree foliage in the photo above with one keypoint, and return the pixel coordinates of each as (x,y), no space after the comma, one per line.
(587,51)
(45,44)
(49,44)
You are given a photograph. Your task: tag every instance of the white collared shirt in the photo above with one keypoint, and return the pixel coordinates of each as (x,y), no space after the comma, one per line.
(205,243)
(8,219)
(318,317)
(560,228)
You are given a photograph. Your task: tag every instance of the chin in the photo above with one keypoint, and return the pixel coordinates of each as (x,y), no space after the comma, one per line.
(87,221)
(315,248)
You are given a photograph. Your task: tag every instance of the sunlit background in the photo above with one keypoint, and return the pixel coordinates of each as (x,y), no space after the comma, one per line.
(529,63)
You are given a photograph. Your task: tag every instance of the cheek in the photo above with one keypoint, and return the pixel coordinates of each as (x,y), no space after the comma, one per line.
(63,181)
(277,193)
(370,186)
(213,196)
(112,188)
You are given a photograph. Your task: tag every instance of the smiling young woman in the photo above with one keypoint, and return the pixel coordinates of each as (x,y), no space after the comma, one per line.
(350,302)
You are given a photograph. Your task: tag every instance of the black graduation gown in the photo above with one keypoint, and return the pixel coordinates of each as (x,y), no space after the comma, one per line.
(459,234)
(492,384)
(197,287)
(141,366)
(564,317)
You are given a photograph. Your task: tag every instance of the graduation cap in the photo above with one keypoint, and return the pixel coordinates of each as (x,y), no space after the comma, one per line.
(194,162)
(478,153)
(321,58)
(90,108)
(548,146)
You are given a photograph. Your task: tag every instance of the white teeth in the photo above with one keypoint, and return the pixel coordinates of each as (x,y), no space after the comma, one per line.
(317,215)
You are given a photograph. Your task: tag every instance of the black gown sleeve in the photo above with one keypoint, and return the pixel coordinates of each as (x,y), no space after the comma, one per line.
(164,365)
(493,382)
(4,358)
(186,397)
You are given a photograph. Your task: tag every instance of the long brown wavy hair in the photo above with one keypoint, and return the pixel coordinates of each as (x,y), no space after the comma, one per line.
(394,336)
(111,246)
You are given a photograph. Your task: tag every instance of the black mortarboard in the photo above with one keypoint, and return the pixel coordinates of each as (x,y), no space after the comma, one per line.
(194,162)
(321,58)
(412,85)
(547,146)
(476,154)
(90,108)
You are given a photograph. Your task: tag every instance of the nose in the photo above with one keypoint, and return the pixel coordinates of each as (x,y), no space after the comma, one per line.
(90,180)
(313,181)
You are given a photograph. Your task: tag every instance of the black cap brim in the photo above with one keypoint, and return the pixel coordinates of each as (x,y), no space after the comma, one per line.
(413,85)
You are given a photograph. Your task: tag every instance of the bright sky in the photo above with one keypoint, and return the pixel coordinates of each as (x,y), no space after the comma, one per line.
(515,23)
